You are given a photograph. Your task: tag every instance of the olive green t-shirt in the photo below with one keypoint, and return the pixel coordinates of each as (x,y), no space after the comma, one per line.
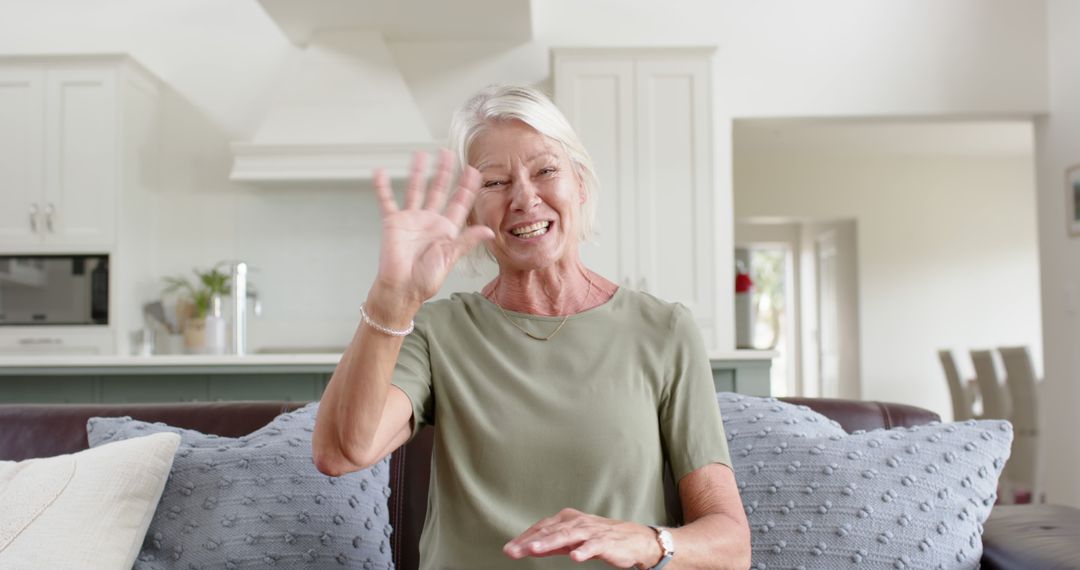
(524,428)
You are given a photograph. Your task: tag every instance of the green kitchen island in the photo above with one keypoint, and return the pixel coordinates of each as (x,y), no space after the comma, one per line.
(277,377)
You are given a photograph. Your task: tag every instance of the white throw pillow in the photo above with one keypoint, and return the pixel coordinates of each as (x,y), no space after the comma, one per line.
(84,511)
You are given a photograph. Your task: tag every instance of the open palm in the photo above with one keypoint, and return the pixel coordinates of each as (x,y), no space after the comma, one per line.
(421,241)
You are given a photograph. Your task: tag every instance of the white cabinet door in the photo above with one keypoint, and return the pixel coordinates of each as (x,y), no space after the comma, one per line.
(81,155)
(645,117)
(22,119)
(597,98)
(674,181)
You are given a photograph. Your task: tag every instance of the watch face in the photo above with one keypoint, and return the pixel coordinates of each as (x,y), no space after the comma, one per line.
(666,541)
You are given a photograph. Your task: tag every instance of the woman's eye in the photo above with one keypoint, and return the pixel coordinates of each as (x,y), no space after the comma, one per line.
(493,183)
(547,170)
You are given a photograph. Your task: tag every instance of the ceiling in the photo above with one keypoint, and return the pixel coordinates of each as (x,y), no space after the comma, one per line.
(885,137)
(406,20)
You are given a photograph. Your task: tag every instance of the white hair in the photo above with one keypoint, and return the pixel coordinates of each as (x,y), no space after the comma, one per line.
(498,103)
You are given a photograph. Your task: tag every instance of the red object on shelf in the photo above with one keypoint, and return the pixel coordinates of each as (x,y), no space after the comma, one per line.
(743,284)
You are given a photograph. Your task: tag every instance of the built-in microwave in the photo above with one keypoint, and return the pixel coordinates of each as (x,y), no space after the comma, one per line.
(54,290)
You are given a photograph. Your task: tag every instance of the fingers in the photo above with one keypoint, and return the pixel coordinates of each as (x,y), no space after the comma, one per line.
(415,190)
(541,524)
(470,238)
(582,537)
(587,550)
(459,206)
(561,540)
(436,197)
(385,194)
(537,539)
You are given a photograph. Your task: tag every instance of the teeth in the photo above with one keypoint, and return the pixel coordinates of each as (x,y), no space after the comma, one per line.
(538,232)
(531,230)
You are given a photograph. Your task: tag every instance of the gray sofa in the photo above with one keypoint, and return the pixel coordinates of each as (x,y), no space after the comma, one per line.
(1028,537)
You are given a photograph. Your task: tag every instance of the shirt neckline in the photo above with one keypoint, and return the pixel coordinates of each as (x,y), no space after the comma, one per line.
(606,305)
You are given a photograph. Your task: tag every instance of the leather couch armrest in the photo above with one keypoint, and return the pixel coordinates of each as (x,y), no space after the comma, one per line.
(1031,537)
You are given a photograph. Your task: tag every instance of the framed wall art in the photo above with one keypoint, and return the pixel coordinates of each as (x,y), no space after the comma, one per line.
(1072,191)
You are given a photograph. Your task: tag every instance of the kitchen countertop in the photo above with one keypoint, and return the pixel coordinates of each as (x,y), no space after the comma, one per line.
(40,364)
(743,354)
(43,364)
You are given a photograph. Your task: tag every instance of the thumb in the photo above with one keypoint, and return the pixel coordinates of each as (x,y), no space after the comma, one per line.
(470,237)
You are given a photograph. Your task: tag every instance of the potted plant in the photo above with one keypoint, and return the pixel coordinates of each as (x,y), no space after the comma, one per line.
(201,316)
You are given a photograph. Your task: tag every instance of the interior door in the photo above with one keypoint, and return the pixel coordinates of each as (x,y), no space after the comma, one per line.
(836,309)
(21,147)
(828,317)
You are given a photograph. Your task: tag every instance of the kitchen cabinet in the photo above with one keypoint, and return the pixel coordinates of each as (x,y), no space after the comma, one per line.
(56,340)
(295,378)
(22,159)
(48,390)
(748,376)
(78,148)
(645,116)
(65,125)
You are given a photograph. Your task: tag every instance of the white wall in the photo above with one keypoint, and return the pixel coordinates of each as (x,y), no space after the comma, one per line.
(1058,146)
(947,253)
(836,57)
(316,250)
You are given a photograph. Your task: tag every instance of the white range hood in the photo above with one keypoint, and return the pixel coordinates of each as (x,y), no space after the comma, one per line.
(343,111)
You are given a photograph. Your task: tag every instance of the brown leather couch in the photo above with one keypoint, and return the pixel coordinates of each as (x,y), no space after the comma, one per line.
(1029,537)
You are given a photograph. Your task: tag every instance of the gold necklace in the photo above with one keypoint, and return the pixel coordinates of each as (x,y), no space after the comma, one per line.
(495,296)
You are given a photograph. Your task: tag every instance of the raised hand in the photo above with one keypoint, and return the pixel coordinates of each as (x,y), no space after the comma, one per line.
(421,242)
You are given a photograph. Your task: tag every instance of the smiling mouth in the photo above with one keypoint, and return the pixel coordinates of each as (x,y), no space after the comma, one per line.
(532,230)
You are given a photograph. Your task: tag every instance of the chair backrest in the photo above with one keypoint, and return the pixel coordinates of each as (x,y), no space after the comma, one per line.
(1022,386)
(961,403)
(995,399)
(1021,471)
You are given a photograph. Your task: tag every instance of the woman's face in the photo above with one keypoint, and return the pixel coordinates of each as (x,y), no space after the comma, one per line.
(530,196)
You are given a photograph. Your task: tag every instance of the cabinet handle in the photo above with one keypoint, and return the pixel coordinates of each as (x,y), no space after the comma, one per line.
(49,211)
(40,341)
(33,217)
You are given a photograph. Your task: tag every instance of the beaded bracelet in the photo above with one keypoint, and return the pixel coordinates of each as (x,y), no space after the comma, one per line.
(384,329)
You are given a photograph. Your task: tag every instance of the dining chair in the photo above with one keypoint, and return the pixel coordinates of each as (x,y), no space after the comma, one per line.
(995,397)
(1022,467)
(962,399)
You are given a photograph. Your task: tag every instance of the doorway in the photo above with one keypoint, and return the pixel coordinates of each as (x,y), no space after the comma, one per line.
(805,303)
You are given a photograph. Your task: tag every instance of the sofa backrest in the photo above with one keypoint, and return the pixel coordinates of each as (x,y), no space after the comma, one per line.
(45,430)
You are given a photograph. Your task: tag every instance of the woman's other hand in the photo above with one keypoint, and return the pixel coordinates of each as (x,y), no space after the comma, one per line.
(582,537)
(422,241)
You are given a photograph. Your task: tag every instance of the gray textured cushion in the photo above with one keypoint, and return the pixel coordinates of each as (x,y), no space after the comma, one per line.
(257,501)
(896,499)
(749,418)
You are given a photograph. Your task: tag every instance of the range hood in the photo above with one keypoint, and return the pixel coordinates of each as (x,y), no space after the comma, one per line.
(343,111)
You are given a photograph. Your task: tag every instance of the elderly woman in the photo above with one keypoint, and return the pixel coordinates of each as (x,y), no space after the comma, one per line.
(556,396)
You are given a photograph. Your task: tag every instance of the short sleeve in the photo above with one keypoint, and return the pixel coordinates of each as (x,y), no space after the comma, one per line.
(690,423)
(412,374)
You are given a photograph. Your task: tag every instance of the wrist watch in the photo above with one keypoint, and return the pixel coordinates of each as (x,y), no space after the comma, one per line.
(667,546)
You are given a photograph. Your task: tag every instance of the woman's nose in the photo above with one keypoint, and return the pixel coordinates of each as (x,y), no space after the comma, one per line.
(525,196)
